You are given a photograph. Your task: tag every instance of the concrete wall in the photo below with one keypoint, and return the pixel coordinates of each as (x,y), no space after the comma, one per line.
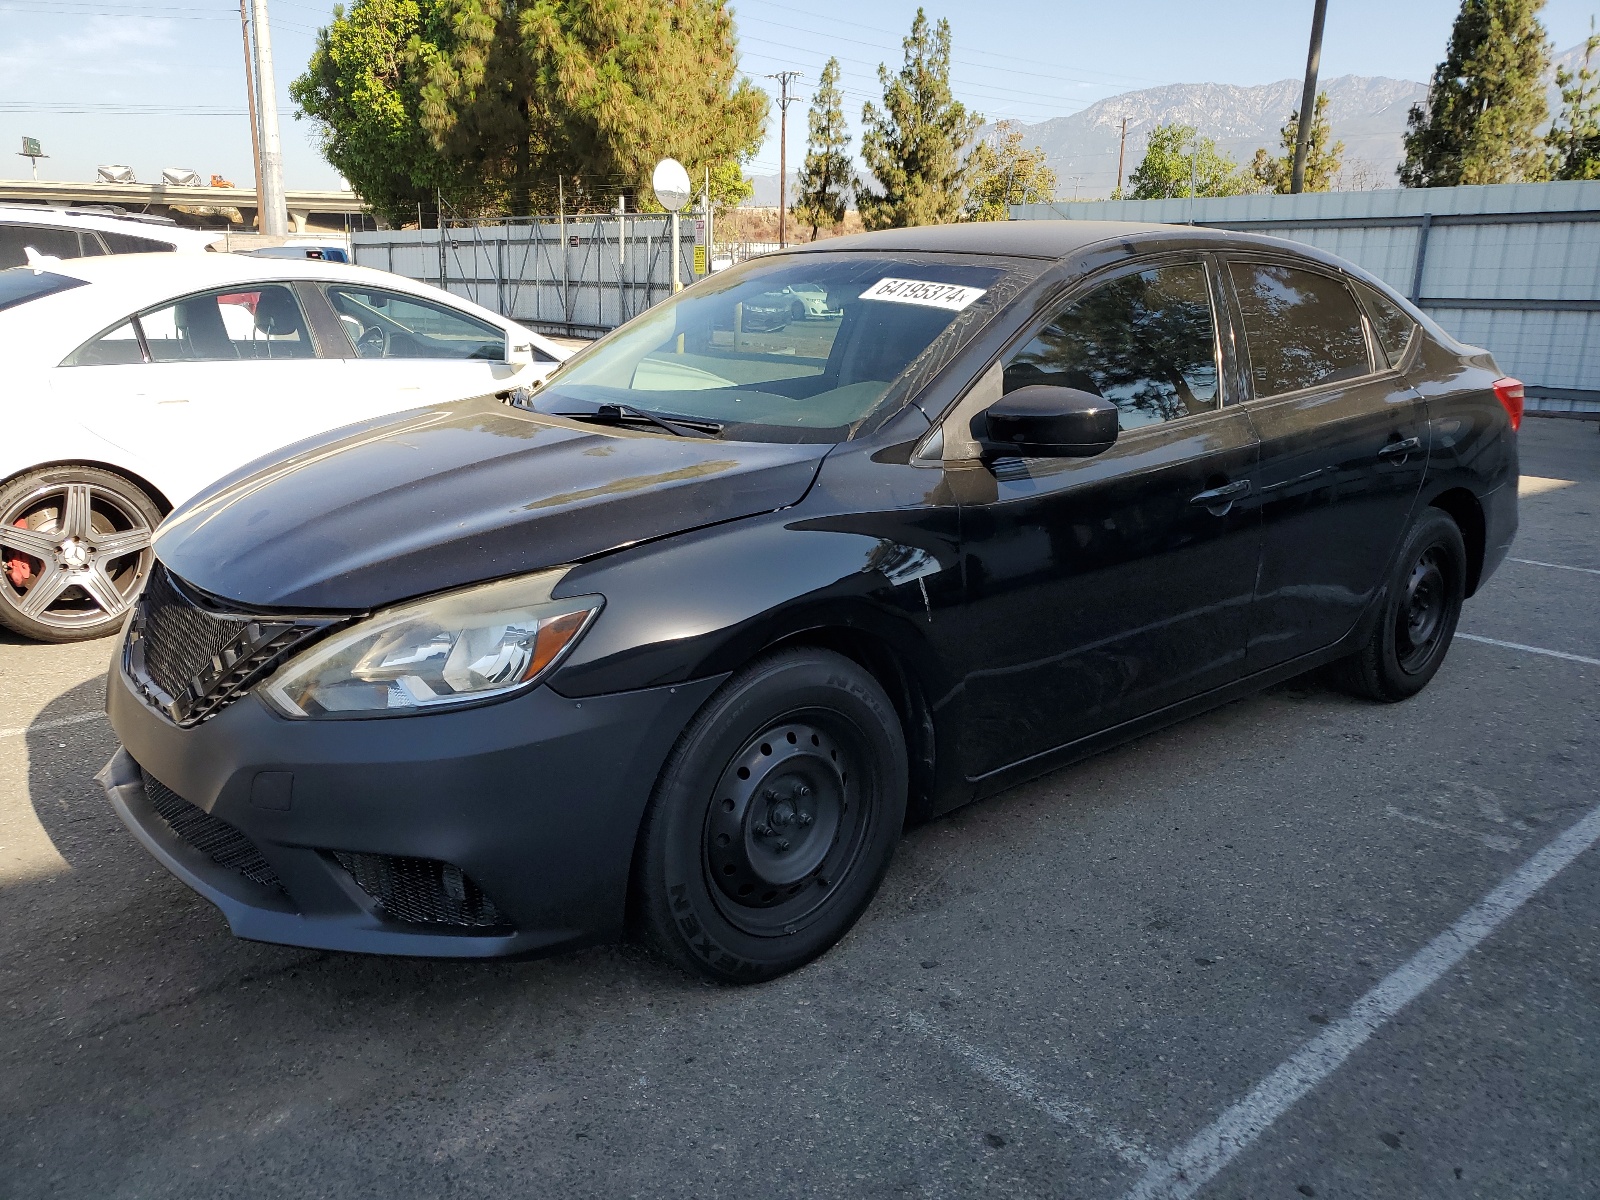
(1514,267)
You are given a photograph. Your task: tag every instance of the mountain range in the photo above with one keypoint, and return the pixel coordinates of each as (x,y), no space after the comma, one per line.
(1367,113)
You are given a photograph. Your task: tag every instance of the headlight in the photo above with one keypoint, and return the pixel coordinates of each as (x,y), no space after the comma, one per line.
(453,649)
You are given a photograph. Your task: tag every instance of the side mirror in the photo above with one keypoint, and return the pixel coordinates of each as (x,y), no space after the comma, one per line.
(1040,421)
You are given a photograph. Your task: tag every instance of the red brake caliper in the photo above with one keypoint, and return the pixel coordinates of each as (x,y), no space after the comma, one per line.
(19,567)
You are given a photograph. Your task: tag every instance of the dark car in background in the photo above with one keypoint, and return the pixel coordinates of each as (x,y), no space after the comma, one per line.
(679,640)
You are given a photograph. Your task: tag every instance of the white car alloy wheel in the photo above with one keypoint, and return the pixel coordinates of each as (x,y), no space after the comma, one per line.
(74,552)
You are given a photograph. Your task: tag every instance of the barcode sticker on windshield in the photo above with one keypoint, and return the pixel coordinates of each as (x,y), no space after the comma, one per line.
(920,291)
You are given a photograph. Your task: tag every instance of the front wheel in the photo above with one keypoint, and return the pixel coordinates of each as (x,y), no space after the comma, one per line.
(1420,609)
(774,819)
(74,552)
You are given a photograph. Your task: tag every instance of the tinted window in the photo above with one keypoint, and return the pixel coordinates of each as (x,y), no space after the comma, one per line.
(1146,342)
(1302,328)
(126,243)
(15,240)
(264,322)
(18,285)
(383,324)
(116,347)
(1393,327)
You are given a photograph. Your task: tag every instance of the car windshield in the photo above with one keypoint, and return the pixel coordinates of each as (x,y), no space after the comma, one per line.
(18,285)
(795,348)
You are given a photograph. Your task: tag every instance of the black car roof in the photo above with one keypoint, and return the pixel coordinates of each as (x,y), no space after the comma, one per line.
(1052,239)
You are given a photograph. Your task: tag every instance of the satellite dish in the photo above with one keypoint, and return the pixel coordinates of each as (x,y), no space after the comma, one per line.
(671,183)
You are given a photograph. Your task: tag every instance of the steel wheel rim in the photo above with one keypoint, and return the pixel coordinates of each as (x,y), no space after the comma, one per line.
(75,555)
(1420,619)
(787,821)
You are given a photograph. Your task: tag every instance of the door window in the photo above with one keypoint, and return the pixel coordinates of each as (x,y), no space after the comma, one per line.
(1302,328)
(384,324)
(127,243)
(1391,325)
(15,240)
(263,322)
(1145,341)
(115,348)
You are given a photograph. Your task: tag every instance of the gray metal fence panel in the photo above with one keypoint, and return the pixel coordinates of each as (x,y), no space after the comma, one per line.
(578,275)
(1513,267)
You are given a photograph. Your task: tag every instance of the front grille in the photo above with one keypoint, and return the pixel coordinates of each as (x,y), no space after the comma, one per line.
(422,891)
(212,836)
(191,657)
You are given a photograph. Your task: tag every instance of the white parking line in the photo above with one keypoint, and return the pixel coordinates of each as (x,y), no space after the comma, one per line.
(1188,1168)
(58,723)
(1024,1087)
(1534,562)
(1472,637)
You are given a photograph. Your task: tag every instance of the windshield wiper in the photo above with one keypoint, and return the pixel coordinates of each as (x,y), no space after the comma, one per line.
(625,414)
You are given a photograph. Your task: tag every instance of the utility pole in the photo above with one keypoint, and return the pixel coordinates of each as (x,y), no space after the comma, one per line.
(1308,100)
(250,93)
(784,78)
(1122,151)
(272,213)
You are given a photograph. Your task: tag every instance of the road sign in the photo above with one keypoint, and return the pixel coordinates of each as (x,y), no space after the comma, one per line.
(699,260)
(30,148)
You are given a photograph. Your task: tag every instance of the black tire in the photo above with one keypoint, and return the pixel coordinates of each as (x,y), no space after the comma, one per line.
(797,311)
(774,819)
(74,552)
(1421,606)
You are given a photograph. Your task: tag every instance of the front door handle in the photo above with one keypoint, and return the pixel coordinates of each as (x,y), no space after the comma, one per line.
(1401,448)
(1220,496)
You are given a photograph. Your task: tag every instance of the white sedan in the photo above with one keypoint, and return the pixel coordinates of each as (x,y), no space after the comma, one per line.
(132,381)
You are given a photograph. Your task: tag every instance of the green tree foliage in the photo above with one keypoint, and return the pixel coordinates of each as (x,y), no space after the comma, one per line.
(362,88)
(1005,171)
(1486,102)
(1172,161)
(1574,137)
(490,101)
(825,180)
(1322,160)
(914,146)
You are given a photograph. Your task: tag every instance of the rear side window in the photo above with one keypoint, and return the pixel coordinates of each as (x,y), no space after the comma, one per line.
(15,241)
(1145,341)
(1302,328)
(384,324)
(18,285)
(1389,322)
(263,322)
(126,243)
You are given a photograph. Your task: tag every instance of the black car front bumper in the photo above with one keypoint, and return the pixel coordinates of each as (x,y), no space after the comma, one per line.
(519,816)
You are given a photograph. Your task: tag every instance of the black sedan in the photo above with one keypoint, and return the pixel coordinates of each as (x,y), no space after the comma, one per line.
(680,641)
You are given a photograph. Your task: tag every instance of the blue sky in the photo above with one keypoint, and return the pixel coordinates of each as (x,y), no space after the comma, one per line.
(159,83)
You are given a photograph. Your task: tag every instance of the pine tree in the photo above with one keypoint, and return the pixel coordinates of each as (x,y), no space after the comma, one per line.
(824,183)
(1486,102)
(1004,171)
(1322,161)
(914,146)
(1574,136)
(1175,158)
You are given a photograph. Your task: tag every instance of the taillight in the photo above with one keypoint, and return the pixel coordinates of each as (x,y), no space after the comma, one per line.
(1509,392)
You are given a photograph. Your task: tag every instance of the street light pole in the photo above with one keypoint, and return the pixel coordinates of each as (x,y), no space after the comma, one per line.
(272,212)
(1308,99)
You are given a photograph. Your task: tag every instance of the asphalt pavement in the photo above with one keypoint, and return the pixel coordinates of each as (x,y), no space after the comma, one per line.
(1301,946)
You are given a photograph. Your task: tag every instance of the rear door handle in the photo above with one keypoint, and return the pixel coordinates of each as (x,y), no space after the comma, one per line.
(1401,448)
(1226,494)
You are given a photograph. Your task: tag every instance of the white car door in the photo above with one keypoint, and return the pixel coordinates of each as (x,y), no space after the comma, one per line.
(426,349)
(198,387)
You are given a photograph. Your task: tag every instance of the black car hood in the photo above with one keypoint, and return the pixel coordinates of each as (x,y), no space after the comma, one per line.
(452,495)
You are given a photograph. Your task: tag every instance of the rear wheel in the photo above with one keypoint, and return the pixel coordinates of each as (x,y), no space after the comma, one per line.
(1420,611)
(74,552)
(774,819)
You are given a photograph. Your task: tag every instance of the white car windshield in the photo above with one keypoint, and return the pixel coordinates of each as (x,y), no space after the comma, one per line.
(799,347)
